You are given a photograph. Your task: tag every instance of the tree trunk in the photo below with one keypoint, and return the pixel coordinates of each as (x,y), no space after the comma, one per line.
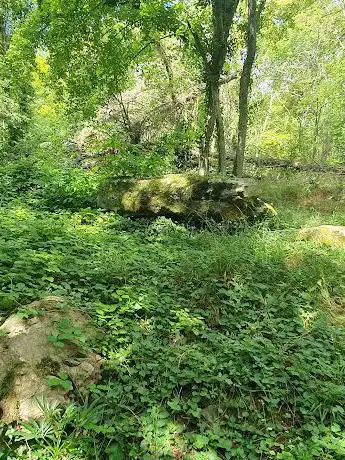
(214,52)
(300,135)
(204,162)
(134,130)
(316,130)
(245,84)
(268,114)
(326,145)
(242,124)
(220,133)
(165,60)
(214,119)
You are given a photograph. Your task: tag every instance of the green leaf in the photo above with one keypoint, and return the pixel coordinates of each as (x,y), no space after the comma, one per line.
(200,441)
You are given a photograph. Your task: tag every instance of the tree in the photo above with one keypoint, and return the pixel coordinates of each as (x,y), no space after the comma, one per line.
(14,72)
(254,14)
(213,52)
(298,108)
(10,11)
(96,46)
(114,36)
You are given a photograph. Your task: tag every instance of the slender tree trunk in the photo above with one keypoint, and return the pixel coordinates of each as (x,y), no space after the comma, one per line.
(326,145)
(242,125)
(133,129)
(220,132)
(214,119)
(316,130)
(268,114)
(204,163)
(214,53)
(245,84)
(300,135)
(165,60)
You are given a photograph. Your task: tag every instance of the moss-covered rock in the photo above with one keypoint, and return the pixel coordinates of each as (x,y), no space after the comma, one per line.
(183,196)
(329,235)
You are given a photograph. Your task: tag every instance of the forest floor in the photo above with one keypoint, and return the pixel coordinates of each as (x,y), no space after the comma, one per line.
(217,345)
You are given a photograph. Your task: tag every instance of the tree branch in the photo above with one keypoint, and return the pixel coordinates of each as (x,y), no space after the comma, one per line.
(198,43)
(228,78)
(152,42)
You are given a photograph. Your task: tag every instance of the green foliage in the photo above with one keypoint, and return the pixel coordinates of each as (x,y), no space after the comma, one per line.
(16,58)
(61,381)
(67,333)
(53,438)
(138,162)
(11,119)
(19,177)
(57,187)
(298,111)
(215,345)
(69,188)
(102,43)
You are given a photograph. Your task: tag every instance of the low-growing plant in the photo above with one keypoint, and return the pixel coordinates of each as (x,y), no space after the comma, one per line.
(66,332)
(215,344)
(61,381)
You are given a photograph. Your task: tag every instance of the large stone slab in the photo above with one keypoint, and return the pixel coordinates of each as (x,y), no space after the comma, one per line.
(183,196)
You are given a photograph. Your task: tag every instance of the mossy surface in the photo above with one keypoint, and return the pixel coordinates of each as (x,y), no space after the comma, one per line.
(6,383)
(329,235)
(182,195)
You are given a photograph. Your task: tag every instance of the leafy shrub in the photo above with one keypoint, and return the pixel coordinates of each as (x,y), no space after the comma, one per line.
(52,437)
(69,188)
(139,162)
(19,177)
(65,187)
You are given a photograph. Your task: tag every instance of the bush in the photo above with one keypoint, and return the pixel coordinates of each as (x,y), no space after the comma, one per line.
(69,188)
(139,162)
(19,177)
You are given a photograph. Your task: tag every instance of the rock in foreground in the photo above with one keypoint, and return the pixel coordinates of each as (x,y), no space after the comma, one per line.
(183,196)
(35,351)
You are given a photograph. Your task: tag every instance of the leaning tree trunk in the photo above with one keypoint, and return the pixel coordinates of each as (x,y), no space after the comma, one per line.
(245,84)
(169,71)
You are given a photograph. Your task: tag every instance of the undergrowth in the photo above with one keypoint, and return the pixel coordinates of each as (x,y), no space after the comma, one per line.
(216,345)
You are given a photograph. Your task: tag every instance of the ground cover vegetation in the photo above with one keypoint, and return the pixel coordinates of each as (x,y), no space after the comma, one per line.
(218,341)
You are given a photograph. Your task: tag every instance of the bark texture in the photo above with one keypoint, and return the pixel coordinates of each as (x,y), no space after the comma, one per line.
(254,14)
(213,56)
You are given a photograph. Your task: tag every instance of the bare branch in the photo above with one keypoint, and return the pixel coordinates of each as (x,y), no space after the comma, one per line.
(228,78)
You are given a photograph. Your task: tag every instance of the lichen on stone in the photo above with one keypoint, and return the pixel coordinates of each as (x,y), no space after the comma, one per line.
(183,196)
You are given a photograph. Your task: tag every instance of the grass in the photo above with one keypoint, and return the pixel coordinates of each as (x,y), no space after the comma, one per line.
(216,345)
